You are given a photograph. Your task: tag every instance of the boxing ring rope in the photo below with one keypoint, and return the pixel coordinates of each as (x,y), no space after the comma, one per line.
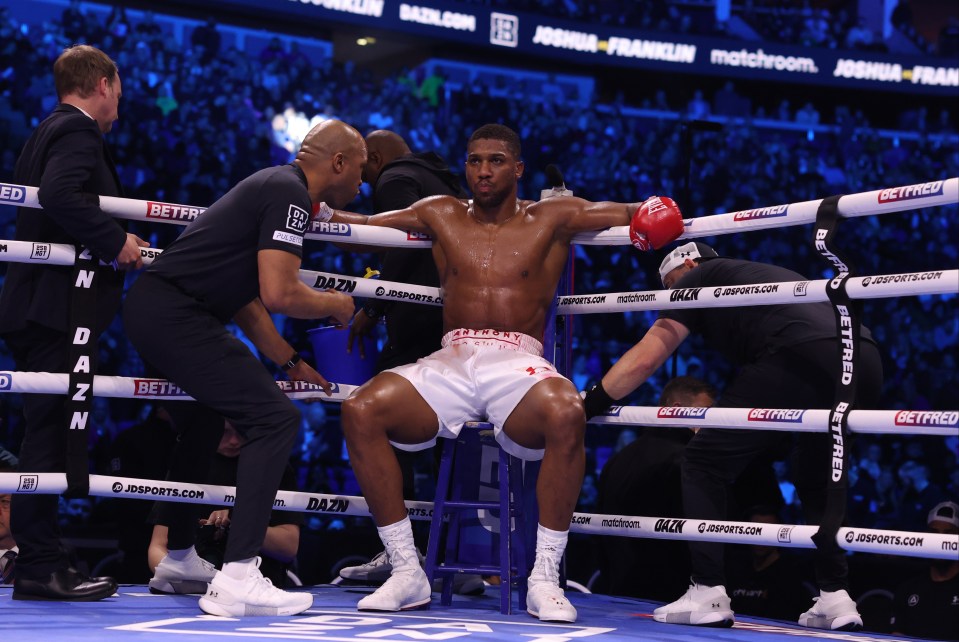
(927,545)
(882,201)
(940,423)
(787,292)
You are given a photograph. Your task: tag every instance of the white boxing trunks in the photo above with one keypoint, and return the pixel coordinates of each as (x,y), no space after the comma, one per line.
(477,375)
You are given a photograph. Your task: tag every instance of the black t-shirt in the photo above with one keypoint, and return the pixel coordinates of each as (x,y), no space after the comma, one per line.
(744,334)
(215,259)
(927,609)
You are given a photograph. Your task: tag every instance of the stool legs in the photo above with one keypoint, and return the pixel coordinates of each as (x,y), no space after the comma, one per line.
(513,567)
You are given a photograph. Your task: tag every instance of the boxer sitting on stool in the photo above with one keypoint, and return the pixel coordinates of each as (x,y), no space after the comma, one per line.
(499,260)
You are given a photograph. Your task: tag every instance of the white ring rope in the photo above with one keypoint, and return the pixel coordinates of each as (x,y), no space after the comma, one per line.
(929,545)
(913,422)
(787,292)
(943,423)
(52,383)
(881,201)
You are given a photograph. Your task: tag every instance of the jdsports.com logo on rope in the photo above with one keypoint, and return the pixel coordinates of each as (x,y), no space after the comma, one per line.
(730,529)
(900,278)
(745,289)
(142,489)
(877,538)
(409,296)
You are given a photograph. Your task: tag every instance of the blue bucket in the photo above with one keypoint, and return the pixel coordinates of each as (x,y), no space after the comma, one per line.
(334,363)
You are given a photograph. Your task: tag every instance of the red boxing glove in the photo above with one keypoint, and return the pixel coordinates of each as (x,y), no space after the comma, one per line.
(657,222)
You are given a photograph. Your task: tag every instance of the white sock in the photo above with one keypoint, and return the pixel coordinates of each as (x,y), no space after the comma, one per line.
(400,547)
(181,554)
(550,546)
(240,569)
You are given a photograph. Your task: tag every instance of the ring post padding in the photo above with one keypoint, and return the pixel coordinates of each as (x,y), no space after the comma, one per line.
(848,325)
(82,334)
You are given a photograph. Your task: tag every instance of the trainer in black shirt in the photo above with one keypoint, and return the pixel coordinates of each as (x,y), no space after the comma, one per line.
(240,260)
(786,356)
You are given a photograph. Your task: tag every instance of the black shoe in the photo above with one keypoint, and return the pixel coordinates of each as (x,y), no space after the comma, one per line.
(67,585)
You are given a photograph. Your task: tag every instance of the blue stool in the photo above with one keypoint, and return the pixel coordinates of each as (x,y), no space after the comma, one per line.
(451,510)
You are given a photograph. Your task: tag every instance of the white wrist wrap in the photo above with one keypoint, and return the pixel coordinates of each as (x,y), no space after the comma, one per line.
(324,213)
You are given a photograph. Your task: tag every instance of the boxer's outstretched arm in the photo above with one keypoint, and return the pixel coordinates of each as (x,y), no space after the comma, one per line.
(416,217)
(573,215)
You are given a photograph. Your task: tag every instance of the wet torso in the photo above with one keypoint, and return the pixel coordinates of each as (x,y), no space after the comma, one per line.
(502,275)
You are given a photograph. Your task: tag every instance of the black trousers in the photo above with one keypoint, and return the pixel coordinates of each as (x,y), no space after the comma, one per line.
(33,518)
(797,378)
(178,338)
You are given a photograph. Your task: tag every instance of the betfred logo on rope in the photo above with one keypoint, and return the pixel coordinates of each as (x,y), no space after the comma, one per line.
(910,192)
(173,212)
(762,212)
(6,380)
(304,386)
(939,418)
(680,412)
(156,388)
(12,193)
(778,415)
(336,229)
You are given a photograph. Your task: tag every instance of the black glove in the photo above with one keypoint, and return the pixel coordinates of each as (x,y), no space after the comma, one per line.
(597,400)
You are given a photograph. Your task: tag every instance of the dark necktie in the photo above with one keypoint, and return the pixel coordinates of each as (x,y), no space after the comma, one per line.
(6,573)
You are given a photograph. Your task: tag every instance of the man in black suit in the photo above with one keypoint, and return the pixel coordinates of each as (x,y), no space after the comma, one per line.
(66,157)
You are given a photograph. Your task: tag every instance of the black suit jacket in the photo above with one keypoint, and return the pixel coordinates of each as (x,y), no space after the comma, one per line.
(67,159)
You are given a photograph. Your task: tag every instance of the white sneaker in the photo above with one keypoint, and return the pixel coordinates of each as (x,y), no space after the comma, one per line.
(405,589)
(253,595)
(547,602)
(191,575)
(700,606)
(376,571)
(833,610)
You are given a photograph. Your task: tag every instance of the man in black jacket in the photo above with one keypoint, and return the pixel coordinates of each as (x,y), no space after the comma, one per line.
(787,359)
(67,158)
(399,178)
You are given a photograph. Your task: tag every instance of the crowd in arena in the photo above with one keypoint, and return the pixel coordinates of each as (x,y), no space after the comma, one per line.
(197,116)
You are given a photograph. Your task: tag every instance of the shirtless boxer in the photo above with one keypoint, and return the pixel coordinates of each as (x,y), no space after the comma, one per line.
(499,260)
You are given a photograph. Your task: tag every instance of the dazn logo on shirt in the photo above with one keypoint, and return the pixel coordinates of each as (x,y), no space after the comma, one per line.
(297,219)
